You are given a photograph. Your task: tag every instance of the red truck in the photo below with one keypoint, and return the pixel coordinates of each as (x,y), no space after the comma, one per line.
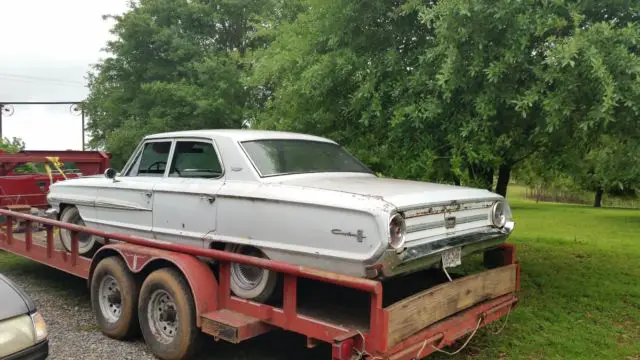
(31,188)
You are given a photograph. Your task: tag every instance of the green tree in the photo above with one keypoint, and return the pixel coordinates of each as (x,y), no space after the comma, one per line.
(340,69)
(12,145)
(453,90)
(611,165)
(174,65)
(515,77)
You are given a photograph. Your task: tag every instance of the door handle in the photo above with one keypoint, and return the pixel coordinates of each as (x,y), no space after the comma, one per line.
(209,198)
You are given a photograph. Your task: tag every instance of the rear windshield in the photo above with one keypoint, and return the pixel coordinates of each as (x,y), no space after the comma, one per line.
(285,157)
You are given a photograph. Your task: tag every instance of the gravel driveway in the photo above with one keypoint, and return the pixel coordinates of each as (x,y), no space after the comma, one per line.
(72,328)
(65,304)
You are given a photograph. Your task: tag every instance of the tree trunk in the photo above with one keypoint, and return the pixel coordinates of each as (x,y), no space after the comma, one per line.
(504,174)
(598,201)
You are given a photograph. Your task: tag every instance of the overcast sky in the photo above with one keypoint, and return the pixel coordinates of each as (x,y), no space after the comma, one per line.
(46,49)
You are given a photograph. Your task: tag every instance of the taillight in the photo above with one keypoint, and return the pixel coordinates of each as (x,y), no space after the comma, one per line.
(397,232)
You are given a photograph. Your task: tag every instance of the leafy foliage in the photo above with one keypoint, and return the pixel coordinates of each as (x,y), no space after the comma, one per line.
(448,91)
(174,65)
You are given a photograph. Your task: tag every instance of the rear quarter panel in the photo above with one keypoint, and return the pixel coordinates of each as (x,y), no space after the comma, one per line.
(294,224)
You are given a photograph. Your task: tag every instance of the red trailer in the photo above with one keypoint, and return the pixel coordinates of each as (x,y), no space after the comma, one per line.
(31,188)
(175,297)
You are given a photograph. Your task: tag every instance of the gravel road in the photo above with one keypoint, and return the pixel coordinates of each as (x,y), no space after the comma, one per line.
(65,304)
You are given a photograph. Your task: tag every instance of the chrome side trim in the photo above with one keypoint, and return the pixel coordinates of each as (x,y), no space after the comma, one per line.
(121,205)
(72,199)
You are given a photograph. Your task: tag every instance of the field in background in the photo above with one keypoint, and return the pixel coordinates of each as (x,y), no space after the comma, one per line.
(579,197)
(580,291)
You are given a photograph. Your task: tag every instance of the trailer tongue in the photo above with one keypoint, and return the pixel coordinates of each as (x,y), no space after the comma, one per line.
(177,297)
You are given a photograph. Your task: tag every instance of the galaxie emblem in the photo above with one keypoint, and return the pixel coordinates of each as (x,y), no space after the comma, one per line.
(449,222)
(359,235)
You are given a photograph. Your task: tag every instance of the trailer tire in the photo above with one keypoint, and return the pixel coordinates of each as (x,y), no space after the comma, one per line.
(250,282)
(88,243)
(167,314)
(114,298)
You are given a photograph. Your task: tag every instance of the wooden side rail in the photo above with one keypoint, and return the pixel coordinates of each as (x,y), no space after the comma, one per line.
(410,315)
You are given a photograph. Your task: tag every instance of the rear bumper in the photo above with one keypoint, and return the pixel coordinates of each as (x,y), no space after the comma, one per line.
(430,254)
(39,351)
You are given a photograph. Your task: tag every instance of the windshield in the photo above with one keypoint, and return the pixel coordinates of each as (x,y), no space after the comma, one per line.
(283,157)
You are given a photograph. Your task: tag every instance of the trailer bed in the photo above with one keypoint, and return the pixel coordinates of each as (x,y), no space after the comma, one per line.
(350,313)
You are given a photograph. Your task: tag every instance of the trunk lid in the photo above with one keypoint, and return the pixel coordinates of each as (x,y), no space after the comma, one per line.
(431,211)
(403,194)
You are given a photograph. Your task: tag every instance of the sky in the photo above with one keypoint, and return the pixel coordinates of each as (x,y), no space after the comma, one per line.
(46,49)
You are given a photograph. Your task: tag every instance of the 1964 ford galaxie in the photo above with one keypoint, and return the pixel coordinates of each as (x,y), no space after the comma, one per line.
(296,198)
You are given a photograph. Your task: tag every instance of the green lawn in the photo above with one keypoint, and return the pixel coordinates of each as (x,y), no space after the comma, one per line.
(580,295)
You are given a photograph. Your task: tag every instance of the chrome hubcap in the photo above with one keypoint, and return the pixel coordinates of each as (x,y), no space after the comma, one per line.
(162,316)
(110,299)
(245,276)
(85,241)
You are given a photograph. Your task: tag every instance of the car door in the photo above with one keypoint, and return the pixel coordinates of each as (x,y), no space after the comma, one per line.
(127,202)
(184,206)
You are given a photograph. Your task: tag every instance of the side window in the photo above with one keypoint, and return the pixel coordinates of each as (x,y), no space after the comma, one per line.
(195,159)
(153,160)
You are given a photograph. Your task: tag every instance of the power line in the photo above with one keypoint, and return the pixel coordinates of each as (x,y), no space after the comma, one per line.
(29,78)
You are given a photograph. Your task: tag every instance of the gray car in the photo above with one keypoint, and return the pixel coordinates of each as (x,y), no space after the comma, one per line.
(23,332)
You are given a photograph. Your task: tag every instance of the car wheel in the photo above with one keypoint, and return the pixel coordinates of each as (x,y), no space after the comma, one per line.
(114,297)
(167,315)
(87,244)
(250,282)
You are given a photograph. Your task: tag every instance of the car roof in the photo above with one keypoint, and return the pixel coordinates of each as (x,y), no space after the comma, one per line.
(240,135)
(13,300)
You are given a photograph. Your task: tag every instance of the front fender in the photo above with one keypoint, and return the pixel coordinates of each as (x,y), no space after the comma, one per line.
(142,259)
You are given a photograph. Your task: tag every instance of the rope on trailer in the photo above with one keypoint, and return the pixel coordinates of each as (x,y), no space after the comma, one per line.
(362,353)
(457,351)
(444,268)
(506,319)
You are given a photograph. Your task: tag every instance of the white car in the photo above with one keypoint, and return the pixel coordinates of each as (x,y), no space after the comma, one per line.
(296,198)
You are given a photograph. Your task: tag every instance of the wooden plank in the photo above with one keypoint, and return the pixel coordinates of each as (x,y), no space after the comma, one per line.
(414,313)
(232,326)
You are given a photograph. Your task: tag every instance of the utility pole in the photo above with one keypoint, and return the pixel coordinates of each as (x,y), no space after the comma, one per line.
(82,129)
(4,108)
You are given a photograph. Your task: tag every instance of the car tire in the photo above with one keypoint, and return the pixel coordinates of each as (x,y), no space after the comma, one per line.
(250,282)
(167,315)
(114,298)
(88,244)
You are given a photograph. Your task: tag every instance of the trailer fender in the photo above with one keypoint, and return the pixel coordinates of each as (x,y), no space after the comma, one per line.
(142,260)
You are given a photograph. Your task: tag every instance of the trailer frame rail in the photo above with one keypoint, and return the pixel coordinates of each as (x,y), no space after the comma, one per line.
(212,294)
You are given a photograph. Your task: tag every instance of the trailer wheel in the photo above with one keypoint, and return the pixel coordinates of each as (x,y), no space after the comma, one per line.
(87,244)
(167,315)
(114,298)
(250,282)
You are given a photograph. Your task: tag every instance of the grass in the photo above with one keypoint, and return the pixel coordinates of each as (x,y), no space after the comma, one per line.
(580,286)
(580,295)
(582,197)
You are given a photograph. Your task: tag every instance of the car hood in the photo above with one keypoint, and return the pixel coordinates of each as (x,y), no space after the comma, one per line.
(13,301)
(400,193)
